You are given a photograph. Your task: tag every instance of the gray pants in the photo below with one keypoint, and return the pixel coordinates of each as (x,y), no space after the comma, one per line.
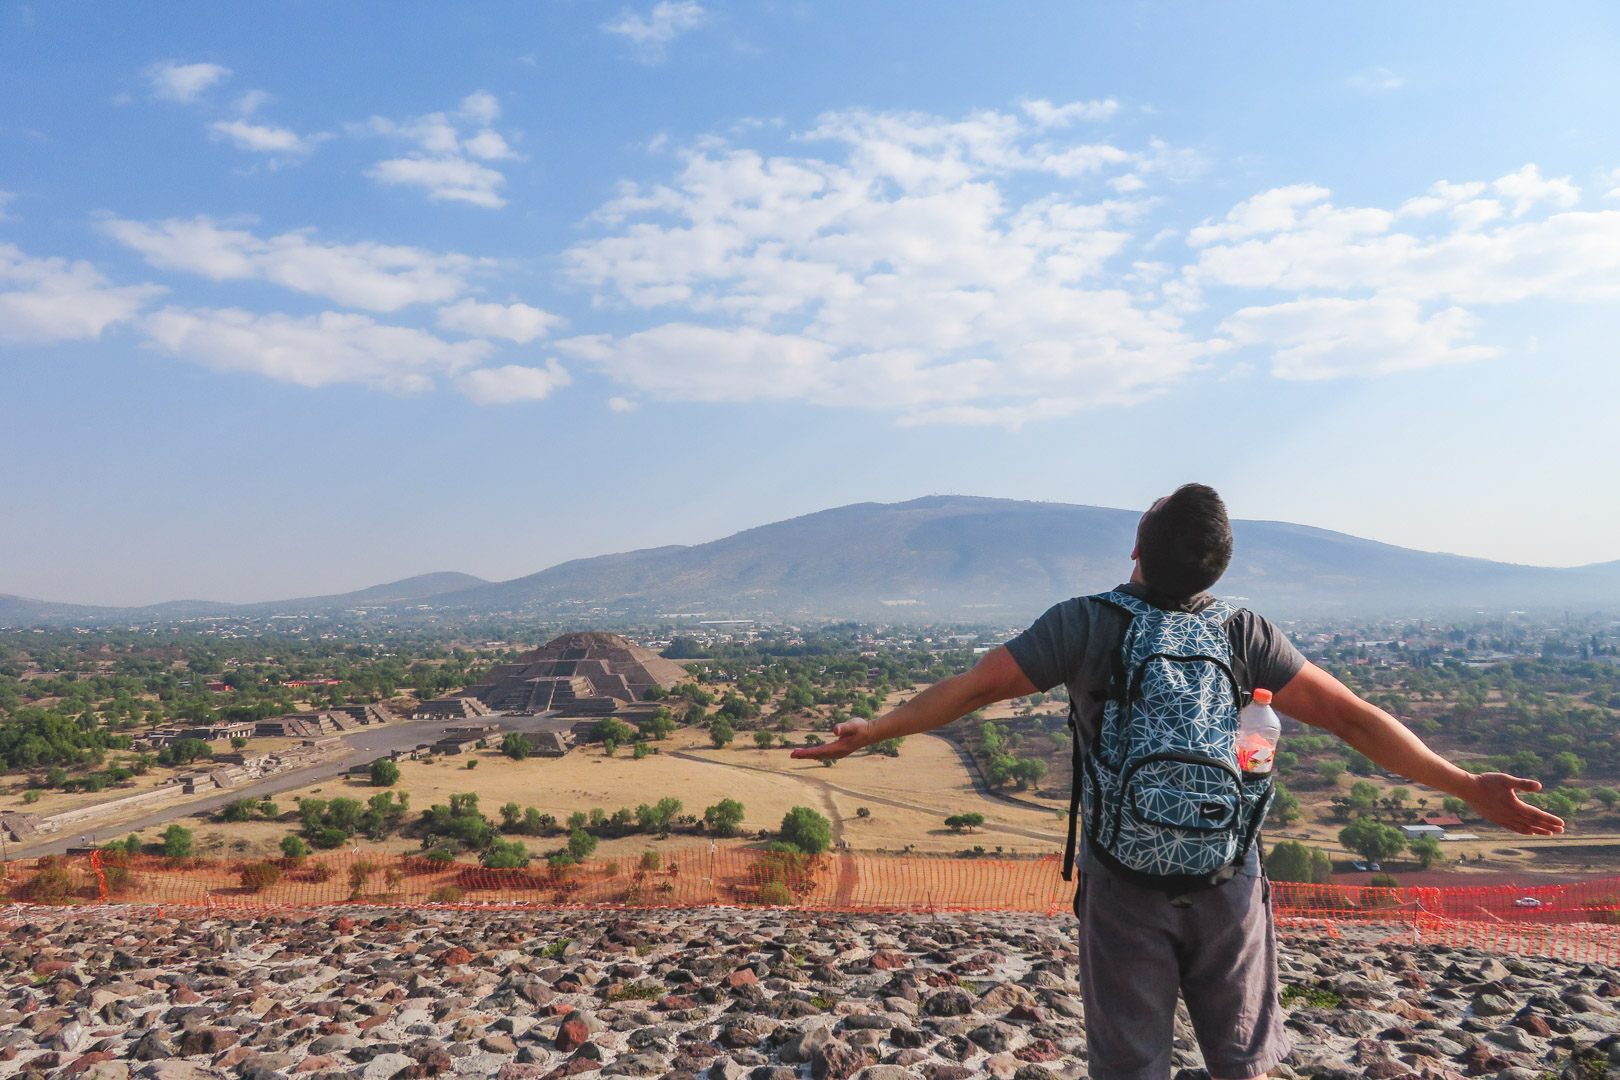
(1218,947)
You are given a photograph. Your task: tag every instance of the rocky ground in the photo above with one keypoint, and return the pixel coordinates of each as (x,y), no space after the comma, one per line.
(720,994)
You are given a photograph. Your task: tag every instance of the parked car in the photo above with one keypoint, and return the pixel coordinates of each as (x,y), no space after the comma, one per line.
(1528,902)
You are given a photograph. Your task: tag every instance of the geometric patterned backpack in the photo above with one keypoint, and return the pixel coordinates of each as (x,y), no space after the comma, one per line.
(1165,804)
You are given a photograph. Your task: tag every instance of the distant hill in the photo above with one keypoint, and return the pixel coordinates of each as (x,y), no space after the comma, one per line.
(21,611)
(959,556)
(953,557)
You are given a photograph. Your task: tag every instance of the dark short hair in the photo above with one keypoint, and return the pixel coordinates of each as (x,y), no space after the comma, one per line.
(1185,543)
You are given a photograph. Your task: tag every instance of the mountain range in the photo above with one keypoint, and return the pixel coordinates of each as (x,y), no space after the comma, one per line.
(941,557)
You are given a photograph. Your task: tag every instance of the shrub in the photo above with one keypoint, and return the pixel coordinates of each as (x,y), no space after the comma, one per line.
(862,812)
(651,861)
(1383,881)
(764,739)
(51,884)
(259,876)
(776,894)
(31,795)
(446,894)
(1289,860)
(177,842)
(237,742)
(639,750)
(506,855)
(293,846)
(239,810)
(721,733)
(807,830)
(515,746)
(329,837)
(581,844)
(723,817)
(473,764)
(384,773)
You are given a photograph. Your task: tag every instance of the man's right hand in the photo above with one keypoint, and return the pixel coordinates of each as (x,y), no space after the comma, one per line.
(852,735)
(1496,797)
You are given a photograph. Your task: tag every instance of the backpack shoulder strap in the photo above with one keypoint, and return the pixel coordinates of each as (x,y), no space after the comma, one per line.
(1129,607)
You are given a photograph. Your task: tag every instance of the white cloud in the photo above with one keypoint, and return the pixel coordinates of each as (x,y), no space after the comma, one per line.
(514,322)
(1295,240)
(264,138)
(622,405)
(1376,79)
(252,101)
(1332,337)
(443,163)
(5,200)
(513,383)
(651,34)
(1371,291)
(377,277)
(46,300)
(1526,188)
(1047,115)
(897,272)
(320,350)
(183,82)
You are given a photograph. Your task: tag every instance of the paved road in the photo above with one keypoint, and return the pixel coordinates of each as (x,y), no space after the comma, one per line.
(365,746)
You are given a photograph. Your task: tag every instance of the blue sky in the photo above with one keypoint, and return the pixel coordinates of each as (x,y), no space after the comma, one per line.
(298,298)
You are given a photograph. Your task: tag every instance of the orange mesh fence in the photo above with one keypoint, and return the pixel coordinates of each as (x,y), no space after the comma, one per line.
(1579,920)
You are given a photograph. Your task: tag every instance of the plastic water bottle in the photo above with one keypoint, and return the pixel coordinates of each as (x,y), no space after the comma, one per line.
(1257,735)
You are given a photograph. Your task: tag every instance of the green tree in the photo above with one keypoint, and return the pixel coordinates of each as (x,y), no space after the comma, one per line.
(723,817)
(1363,796)
(239,810)
(515,746)
(807,830)
(959,822)
(177,842)
(1426,850)
(581,844)
(887,747)
(384,773)
(293,847)
(506,855)
(721,733)
(1290,860)
(1285,805)
(1454,806)
(1607,796)
(1566,765)
(639,750)
(1372,840)
(511,816)
(1330,772)
(764,739)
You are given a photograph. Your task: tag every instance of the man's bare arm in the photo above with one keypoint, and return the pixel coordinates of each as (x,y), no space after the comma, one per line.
(1314,697)
(996,677)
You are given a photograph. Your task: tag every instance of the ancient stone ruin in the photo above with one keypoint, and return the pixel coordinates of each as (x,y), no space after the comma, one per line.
(583,674)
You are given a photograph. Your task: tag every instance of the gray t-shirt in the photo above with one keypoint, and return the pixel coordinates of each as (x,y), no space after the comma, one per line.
(1076,641)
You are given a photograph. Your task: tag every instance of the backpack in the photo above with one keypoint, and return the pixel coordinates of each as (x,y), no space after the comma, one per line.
(1165,804)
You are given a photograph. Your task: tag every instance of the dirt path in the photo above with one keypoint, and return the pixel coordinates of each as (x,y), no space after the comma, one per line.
(827,787)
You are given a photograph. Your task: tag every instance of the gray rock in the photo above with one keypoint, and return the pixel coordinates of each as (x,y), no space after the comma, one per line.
(948,1003)
(992,1038)
(383,1066)
(333,1044)
(642,1064)
(1488,1004)
(803,1046)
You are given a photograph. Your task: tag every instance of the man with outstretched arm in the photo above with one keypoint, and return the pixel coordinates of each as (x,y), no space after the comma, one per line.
(1139,946)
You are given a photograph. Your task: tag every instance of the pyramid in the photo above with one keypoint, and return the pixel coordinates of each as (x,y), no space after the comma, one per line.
(583,673)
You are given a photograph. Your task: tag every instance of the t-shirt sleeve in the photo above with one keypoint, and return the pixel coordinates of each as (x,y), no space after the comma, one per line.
(1272,659)
(1046,651)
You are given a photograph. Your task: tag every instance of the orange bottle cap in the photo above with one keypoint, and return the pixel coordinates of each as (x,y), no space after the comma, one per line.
(1262,697)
